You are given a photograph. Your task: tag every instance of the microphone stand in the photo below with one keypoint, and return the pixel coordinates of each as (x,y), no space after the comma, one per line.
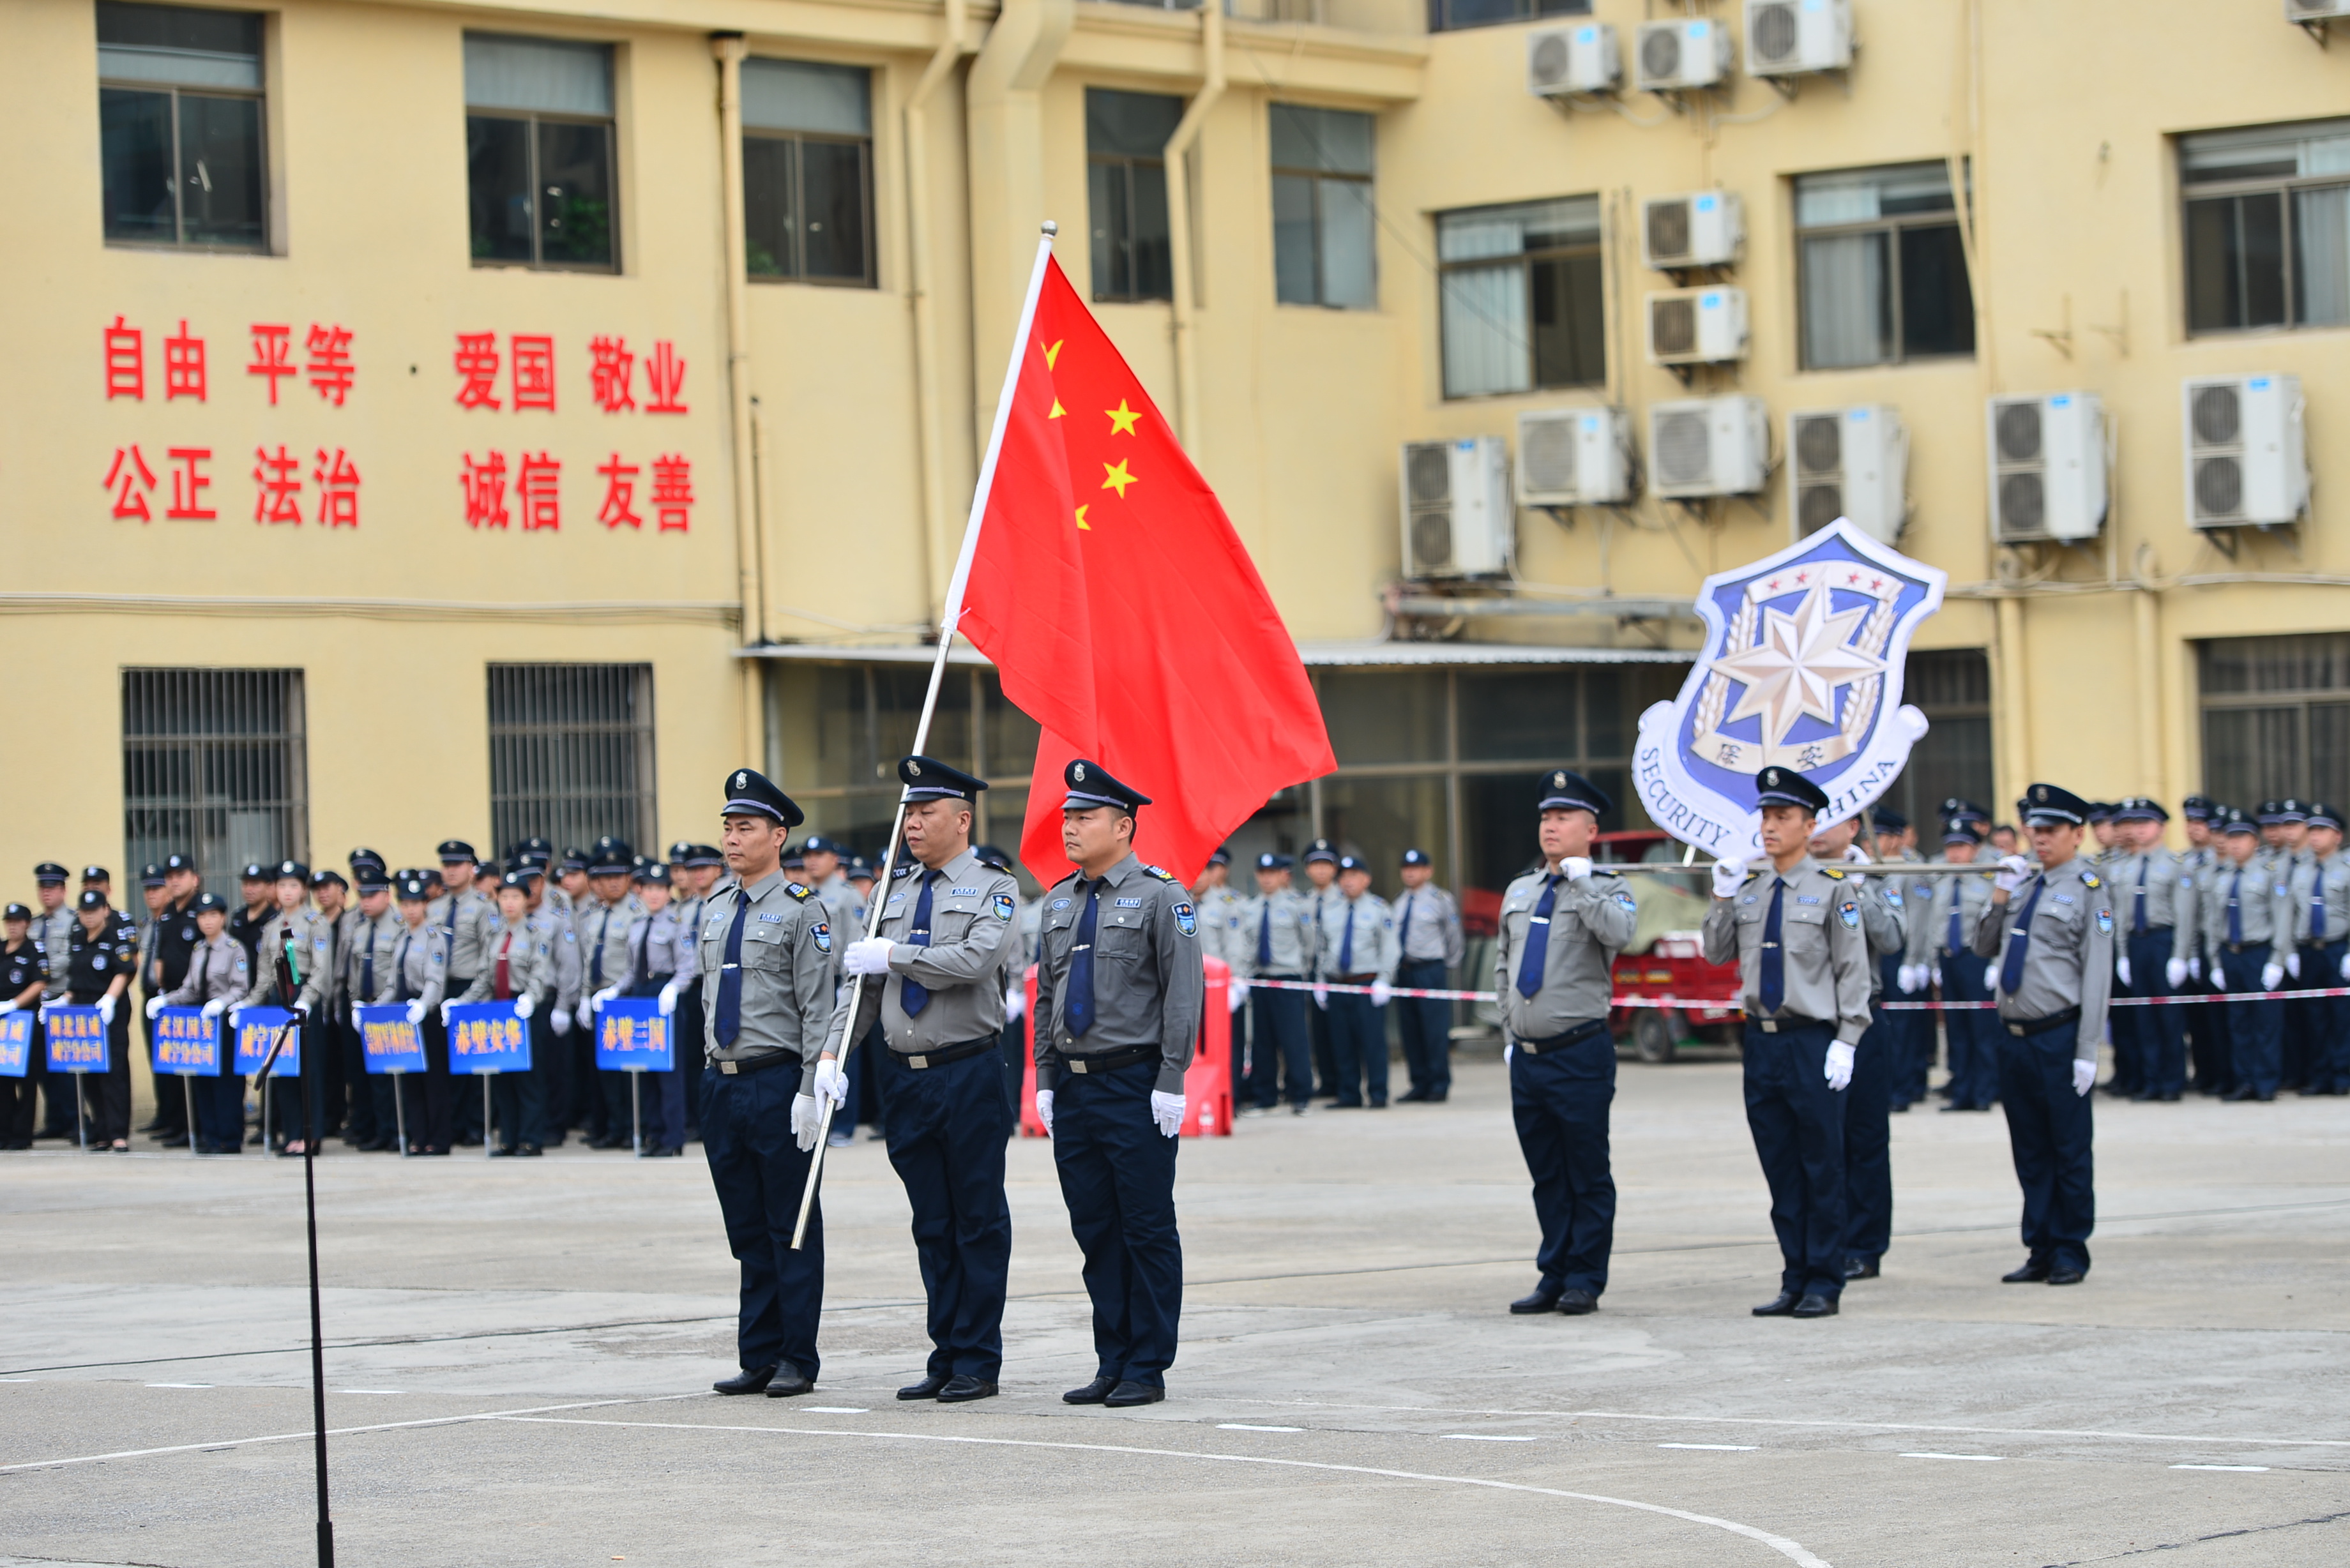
(290,986)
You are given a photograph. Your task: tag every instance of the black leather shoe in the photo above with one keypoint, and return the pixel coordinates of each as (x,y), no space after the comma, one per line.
(928,1388)
(2034,1273)
(1093,1393)
(531,1151)
(1860,1269)
(1779,1305)
(963,1388)
(2067,1276)
(1412,1096)
(750,1380)
(1544,1298)
(503,1151)
(788,1382)
(662,1152)
(1129,1394)
(2238,1093)
(1815,1306)
(1574,1303)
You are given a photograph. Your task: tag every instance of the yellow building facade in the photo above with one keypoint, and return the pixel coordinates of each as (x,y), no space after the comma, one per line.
(483,420)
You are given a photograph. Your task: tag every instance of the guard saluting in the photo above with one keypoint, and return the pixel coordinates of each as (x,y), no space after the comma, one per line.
(1561,929)
(1796,930)
(2055,968)
(945,942)
(765,955)
(1119,987)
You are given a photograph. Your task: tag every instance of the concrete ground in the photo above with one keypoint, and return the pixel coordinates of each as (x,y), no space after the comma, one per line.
(520,1353)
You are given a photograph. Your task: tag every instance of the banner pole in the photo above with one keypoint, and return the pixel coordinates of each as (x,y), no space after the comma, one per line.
(950,614)
(399,1110)
(489,1139)
(81,1128)
(188,1098)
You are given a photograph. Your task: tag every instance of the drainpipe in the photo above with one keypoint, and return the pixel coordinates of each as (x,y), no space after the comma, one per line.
(1003,103)
(930,418)
(729,50)
(1178,222)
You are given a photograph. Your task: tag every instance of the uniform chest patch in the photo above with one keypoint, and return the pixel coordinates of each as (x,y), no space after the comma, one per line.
(1748,900)
(773,919)
(1128,903)
(2063,897)
(97,961)
(1060,903)
(821,935)
(1806,899)
(896,899)
(1849,913)
(1186,920)
(2104,922)
(1002,905)
(1893,896)
(962,892)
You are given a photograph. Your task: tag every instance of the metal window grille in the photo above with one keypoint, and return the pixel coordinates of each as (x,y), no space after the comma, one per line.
(213,765)
(1952,688)
(2276,718)
(571,753)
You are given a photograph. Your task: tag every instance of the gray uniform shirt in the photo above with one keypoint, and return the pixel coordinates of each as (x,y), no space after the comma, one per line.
(420,967)
(530,963)
(972,944)
(659,947)
(1148,985)
(2260,901)
(1930,902)
(54,930)
(559,922)
(2070,959)
(1591,920)
(1284,923)
(1428,926)
(2195,869)
(217,972)
(788,969)
(604,947)
(378,938)
(2329,879)
(1220,918)
(314,957)
(2144,883)
(1372,950)
(468,931)
(1826,963)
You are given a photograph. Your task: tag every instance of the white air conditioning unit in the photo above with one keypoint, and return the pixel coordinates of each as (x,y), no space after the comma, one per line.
(2315,10)
(1701,229)
(1848,463)
(1574,457)
(2245,460)
(1709,446)
(1670,57)
(1456,517)
(1697,326)
(1793,37)
(2047,467)
(1564,60)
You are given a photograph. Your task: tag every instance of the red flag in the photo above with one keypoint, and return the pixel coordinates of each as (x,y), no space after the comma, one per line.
(1122,612)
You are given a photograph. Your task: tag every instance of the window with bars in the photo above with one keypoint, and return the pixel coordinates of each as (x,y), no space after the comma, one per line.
(571,753)
(2276,718)
(1951,687)
(213,765)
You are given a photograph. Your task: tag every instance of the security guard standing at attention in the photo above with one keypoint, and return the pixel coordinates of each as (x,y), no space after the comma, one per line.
(934,978)
(2247,916)
(1943,913)
(1561,928)
(2143,883)
(52,931)
(1795,929)
(1359,950)
(2321,906)
(311,936)
(1279,940)
(765,956)
(24,971)
(1429,944)
(1321,863)
(1118,991)
(2207,1022)
(2050,930)
(1876,1062)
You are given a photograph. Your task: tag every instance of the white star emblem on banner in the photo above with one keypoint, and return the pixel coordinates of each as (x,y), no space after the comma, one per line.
(1795,668)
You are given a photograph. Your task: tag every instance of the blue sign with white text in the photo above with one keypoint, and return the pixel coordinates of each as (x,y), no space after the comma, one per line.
(488,1037)
(16,1044)
(77,1040)
(388,1040)
(187,1043)
(631,1035)
(257,1031)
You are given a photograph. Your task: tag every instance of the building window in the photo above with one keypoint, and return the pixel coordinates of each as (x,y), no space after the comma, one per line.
(2276,718)
(1884,272)
(215,765)
(807,172)
(179,111)
(1452,16)
(1521,297)
(1324,250)
(538,153)
(571,753)
(1125,170)
(2267,226)
(1952,688)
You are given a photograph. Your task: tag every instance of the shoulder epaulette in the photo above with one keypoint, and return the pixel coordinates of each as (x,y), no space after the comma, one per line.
(903,868)
(799,890)
(1163,874)
(1834,873)
(2089,879)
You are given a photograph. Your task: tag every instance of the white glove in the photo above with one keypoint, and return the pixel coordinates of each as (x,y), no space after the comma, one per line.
(1856,854)
(1728,876)
(1236,992)
(2122,970)
(804,1120)
(2085,1077)
(2293,964)
(669,1000)
(1015,1001)
(1577,867)
(581,1013)
(831,1083)
(416,1011)
(596,1002)
(2174,973)
(216,1007)
(1936,974)
(1322,997)
(1508,1051)
(2013,872)
(1907,978)
(2272,976)
(1381,994)
(868,955)
(1045,1110)
(1839,1065)
(2219,977)
(444,1013)
(105,1011)
(154,1006)
(560,1022)
(235,1014)
(524,1006)
(7,1007)
(2345,966)
(2195,965)
(1167,1110)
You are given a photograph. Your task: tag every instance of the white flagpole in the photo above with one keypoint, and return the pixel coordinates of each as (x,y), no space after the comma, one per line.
(950,615)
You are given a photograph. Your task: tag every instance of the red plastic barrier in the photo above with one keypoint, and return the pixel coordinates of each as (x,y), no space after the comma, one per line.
(1207,1085)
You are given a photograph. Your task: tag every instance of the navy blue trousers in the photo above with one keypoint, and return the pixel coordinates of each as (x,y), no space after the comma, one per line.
(1560,1101)
(1973,1050)
(1425,1027)
(2329,1059)
(759,1170)
(1358,1039)
(2160,1032)
(519,1099)
(1326,1062)
(1280,1045)
(2207,1025)
(2049,1130)
(1117,1177)
(947,1127)
(1798,1126)
(2255,1029)
(1869,1135)
(1905,1066)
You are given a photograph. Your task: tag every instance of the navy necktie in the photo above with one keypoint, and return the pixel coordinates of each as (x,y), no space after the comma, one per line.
(1264,935)
(913,996)
(2137,921)
(1771,971)
(596,964)
(1536,957)
(2236,908)
(367,967)
(2317,908)
(1346,943)
(1079,1007)
(729,1023)
(400,965)
(1403,927)
(2019,942)
(1957,941)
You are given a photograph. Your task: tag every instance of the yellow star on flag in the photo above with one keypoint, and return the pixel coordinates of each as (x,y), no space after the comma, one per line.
(1057,409)
(1121,419)
(1053,351)
(1081,521)
(1116,478)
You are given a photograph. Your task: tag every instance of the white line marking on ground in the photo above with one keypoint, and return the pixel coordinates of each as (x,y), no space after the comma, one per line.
(1246,1426)
(2246,1469)
(1792,1550)
(1716,1448)
(178,1386)
(835,1409)
(364,1391)
(1482,1438)
(1977,1459)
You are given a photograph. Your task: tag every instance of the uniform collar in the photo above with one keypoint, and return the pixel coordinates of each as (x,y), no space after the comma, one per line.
(1121,873)
(956,868)
(757,892)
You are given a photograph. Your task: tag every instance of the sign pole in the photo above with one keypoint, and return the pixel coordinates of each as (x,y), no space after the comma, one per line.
(489,1144)
(188,1097)
(81,1127)
(637,1111)
(399,1110)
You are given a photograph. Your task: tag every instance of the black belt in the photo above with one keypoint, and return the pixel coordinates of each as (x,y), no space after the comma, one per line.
(1574,1036)
(943,1054)
(2020,1027)
(1363,979)
(758,1064)
(1773,1025)
(1109,1061)
(2243,947)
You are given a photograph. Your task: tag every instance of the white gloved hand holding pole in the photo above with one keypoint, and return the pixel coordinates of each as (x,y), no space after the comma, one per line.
(1381,994)
(609,993)
(868,955)
(804,1119)
(2085,1077)
(154,1006)
(444,1013)
(1728,876)
(524,1006)
(1838,1069)
(2013,872)
(2174,972)
(1236,992)
(1167,1111)
(831,1083)
(2122,970)
(1577,867)
(1045,1110)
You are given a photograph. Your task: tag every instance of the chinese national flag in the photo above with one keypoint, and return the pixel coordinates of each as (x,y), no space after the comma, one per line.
(1124,617)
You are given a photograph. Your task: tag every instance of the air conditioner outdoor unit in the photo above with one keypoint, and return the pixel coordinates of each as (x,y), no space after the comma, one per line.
(2047,467)
(1672,55)
(2245,460)
(1564,60)
(1701,229)
(1574,457)
(1697,326)
(1849,463)
(1792,38)
(1456,517)
(2314,10)
(1709,446)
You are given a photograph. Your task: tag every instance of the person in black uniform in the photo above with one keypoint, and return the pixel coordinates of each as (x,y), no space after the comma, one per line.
(101,957)
(23,973)
(166,957)
(1119,986)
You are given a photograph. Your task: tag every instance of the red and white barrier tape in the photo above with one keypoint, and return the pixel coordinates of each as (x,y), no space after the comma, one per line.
(1731,1004)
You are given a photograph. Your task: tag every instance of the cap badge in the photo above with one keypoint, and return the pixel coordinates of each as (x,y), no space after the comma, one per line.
(914,767)
(1077,772)
(742,781)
